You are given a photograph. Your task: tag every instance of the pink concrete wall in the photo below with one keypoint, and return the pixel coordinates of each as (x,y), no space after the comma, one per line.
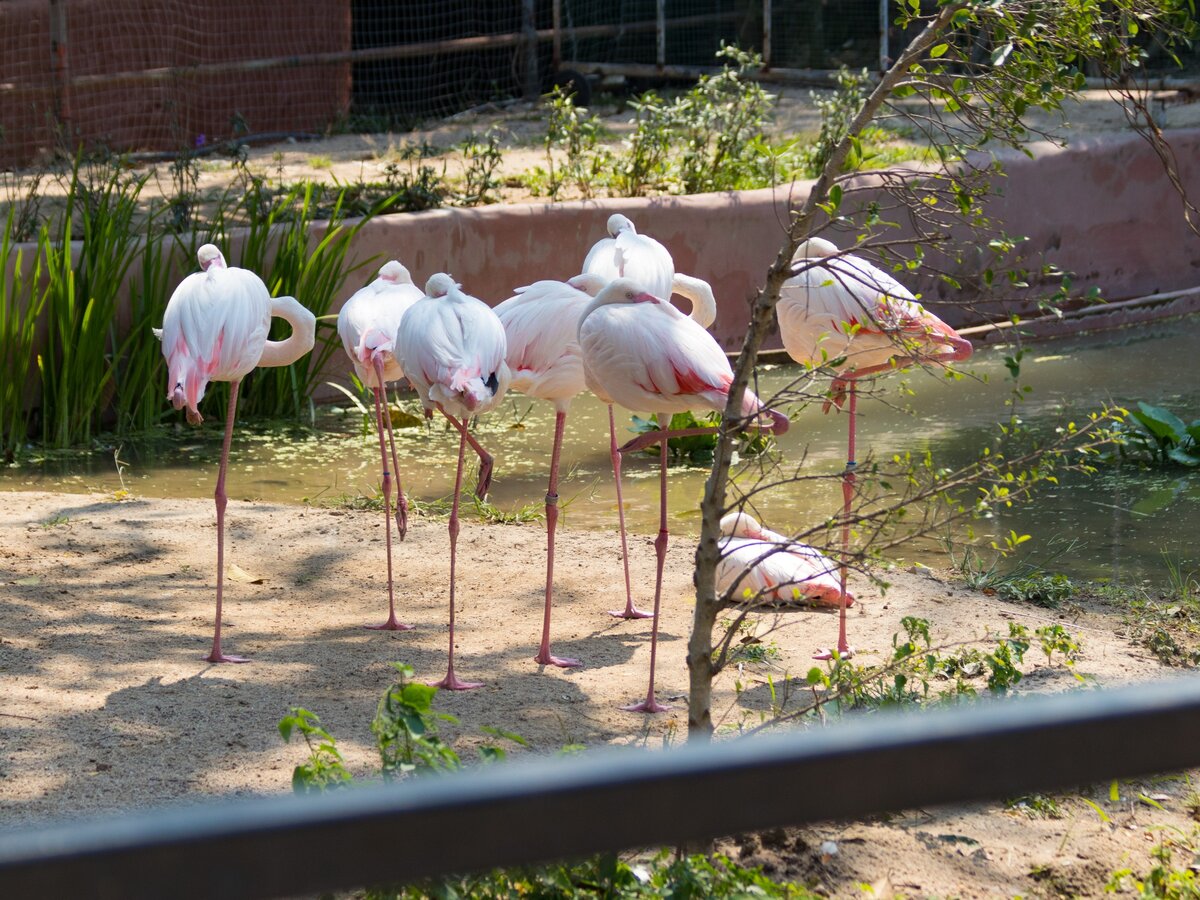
(1103,210)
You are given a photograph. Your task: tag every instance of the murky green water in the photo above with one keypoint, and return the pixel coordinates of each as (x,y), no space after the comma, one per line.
(1122,518)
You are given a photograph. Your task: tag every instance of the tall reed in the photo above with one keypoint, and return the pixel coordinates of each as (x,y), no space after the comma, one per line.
(277,247)
(20,307)
(81,351)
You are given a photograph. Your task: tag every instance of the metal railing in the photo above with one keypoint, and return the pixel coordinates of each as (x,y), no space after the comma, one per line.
(541,809)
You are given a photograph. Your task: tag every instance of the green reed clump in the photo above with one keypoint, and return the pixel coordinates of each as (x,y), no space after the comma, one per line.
(78,362)
(277,247)
(20,307)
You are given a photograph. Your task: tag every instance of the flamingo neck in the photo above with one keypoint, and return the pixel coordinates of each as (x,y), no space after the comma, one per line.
(304,333)
(700,293)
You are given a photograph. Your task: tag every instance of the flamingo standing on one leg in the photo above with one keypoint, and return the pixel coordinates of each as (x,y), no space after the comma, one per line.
(215,329)
(648,356)
(541,325)
(639,257)
(836,306)
(452,349)
(367,324)
(774,570)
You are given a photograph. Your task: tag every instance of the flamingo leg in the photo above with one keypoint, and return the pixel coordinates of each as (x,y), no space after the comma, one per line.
(222,499)
(401,500)
(451,682)
(650,705)
(486,461)
(630,611)
(844,650)
(544,656)
(392,623)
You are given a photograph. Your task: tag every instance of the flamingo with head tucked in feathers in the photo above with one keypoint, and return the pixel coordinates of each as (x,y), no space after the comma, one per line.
(367,324)
(215,329)
(541,323)
(836,306)
(763,568)
(649,357)
(452,349)
(642,259)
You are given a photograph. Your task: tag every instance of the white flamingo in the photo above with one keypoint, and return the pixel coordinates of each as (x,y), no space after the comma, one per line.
(650,357)
(837,306)
(215,329)
(452,349)
(367,324)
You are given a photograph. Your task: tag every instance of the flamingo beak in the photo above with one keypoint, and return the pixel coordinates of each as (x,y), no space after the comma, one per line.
(645,298)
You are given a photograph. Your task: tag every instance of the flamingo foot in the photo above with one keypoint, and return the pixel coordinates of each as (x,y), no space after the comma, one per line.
(218,657)
(453,683)
(546,658)
(630,612)
(649,705)
(392,624)
(485,478)
(402,519)
(842,653)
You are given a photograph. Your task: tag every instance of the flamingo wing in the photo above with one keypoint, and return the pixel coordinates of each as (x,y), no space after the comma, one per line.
(645,261)
(541,323)
(214,329)
(368,323)
(797,576)
(650,357)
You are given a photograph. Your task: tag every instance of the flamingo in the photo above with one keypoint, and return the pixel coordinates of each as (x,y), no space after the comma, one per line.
(774,570)
(367,324)
(215,329)
(627,254)
(452,348)
(648,356)
(540,325)
(837,306)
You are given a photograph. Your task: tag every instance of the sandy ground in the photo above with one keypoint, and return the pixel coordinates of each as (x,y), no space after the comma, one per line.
(107,705)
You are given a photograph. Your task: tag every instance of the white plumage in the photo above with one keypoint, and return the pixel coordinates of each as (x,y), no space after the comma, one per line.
(369,321)
(774,571)
(452,349)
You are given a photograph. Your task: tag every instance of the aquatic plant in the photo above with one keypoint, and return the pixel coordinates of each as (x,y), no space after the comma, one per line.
(1157,436)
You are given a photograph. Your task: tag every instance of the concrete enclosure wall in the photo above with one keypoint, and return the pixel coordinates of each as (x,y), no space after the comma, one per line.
(1102,210)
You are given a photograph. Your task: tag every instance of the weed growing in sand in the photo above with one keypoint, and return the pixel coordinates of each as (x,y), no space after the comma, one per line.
(482,157)
(1164,880)
(1036,806)
(323,770)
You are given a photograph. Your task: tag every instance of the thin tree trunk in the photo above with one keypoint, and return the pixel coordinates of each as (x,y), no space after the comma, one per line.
(700,645)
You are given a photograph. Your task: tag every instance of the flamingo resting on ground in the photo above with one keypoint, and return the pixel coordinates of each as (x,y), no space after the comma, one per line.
(648,356)
(452,349)
(215,329)
(764,568)
(367,324)
(837,306)
(639,257)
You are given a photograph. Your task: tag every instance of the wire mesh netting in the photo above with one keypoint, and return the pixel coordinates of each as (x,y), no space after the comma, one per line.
(169,74)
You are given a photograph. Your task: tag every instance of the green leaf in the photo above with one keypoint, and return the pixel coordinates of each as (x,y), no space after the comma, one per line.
(939,50)
(1161,422)
(1002,53)
(1181,456)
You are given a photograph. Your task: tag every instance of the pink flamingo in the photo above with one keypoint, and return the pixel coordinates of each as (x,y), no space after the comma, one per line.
(215,329)
(648,356)
(367,324)
(541,328)
(836,306)
(452,349)
(639,257)
(768,569)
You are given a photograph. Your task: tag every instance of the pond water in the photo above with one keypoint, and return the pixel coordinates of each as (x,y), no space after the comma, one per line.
(1122,519)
